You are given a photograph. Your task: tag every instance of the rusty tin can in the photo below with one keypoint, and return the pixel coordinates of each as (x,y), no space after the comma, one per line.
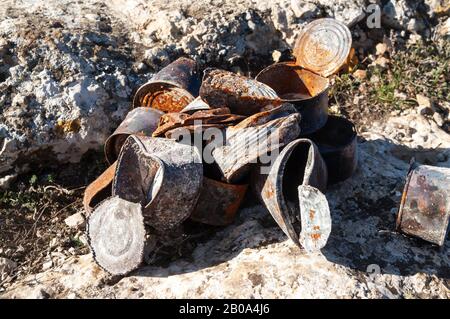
(253,138)
(425,206)
(307,91)
(243,95)
(321,49)
(218,202)
(99,189)
(337,143)
(202,119)
(292,192)
(161,174)
(139,121)
(172,88)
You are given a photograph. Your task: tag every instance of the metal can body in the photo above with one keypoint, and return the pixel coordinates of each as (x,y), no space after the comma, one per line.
(307,91)
(161,174)
(337,143)
(244,96)
(295,182)
(172,88)
(253,138)
(425,206)
(218,202)
(139,121)
(99,189)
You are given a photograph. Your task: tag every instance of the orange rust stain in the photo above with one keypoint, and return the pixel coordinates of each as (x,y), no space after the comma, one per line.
(312,213)
(315,236)
(101,183)
(63,126)
(269,191)
(316,227)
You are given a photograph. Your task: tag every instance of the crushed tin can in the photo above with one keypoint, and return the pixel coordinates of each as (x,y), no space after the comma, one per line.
(202,119)
(99,189)
(321,49)
(292,193)
(117,235)
(164,176)
(243,95)
(139,121)
(172,88)
(337,143)
(218,202)
(255,137)
(425,205)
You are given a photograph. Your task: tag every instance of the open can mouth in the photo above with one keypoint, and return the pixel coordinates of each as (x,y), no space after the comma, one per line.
(293,83)
(307,91)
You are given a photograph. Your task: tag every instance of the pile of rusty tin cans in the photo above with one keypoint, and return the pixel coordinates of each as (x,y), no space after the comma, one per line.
(197,142)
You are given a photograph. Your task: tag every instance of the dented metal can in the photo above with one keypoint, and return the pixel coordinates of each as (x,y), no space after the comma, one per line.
(202,119)
(307,91)
(425,205)
(161,174)
(256,137)
(139,121)
(172,88)
(218,202)
(244,96)
(292,192)
(99,189)
(337,143)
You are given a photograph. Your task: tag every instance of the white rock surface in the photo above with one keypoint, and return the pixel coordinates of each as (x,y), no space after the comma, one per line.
(76,220)
(364,257)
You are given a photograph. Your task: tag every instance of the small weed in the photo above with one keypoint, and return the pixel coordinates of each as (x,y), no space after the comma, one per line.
(76,242)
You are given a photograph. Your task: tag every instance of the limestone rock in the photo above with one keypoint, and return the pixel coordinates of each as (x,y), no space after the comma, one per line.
(76,220)
(65,80)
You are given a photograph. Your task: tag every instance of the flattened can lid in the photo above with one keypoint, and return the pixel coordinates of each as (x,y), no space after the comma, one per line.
(323,46)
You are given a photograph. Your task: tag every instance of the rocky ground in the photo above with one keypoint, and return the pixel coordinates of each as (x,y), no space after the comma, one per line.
(68,70)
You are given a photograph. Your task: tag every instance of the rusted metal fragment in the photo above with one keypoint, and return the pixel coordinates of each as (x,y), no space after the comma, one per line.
(242,95)
(220,118)
(197,105)
(99,189)
(299,163)
(337,142)
(323,46)
(218,202)
(117,235)
(161,174)
(139,121)
(253,138)
(307,91)
(425,206)
(315,218)
(172,88)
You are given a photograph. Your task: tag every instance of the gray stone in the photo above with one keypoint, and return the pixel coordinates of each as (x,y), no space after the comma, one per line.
(76,220)
(438,119)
